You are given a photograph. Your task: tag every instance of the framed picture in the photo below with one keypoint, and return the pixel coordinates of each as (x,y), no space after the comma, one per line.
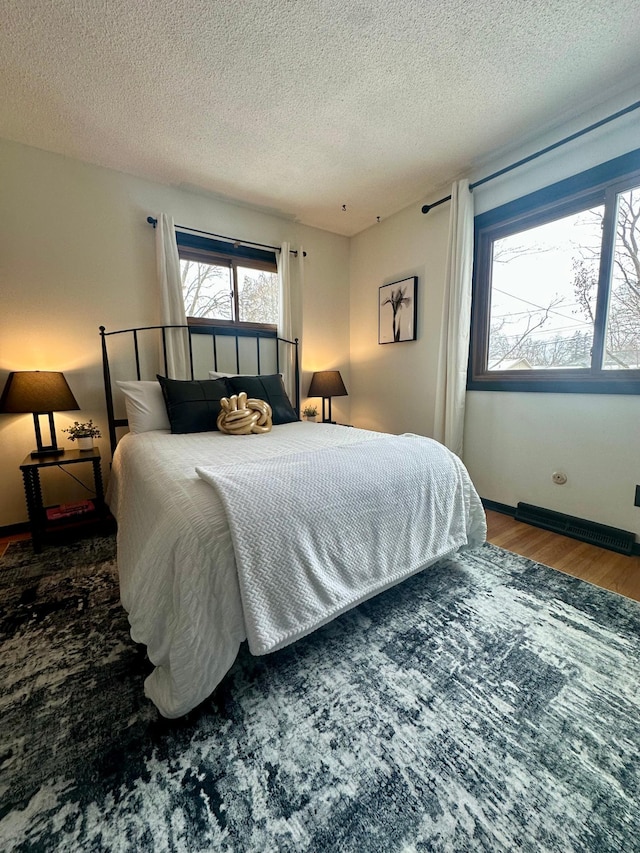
(397,311)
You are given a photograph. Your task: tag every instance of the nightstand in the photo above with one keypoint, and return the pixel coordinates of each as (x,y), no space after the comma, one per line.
(48,520)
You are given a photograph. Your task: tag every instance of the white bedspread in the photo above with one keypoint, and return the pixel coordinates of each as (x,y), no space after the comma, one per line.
(176,557)
(318,532)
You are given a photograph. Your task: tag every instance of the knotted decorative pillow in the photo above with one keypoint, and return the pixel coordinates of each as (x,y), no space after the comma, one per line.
(240,415)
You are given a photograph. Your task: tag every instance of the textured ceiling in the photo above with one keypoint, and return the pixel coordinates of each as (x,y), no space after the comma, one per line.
(301,106)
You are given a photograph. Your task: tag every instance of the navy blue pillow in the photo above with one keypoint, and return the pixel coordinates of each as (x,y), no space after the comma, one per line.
(269,388)
(193,405)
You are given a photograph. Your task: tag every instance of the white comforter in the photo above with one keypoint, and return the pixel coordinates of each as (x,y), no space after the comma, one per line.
(178,575)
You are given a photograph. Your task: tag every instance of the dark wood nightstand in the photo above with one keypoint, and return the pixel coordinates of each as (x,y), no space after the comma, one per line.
(41,519)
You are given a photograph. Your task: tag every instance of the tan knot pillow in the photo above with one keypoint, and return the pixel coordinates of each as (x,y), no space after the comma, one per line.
(240,415)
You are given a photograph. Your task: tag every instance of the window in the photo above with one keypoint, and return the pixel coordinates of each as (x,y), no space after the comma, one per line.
(556,291)
(223,282)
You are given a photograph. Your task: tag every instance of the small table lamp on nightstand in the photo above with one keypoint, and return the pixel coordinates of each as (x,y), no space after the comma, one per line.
(39,392)
(327,384)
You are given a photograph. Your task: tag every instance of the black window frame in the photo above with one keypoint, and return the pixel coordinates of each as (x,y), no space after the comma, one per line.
(201,249)
(595,186)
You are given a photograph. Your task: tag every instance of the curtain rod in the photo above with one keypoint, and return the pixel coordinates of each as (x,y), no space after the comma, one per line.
(233,240)
(427,207)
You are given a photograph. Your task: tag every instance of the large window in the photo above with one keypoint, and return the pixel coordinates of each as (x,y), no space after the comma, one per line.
(220,281)
(556,293)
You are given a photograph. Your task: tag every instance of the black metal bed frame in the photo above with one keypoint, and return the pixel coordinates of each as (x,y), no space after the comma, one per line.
(214,331)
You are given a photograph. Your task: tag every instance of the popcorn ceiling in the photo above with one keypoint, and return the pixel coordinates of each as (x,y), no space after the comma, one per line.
(299,107)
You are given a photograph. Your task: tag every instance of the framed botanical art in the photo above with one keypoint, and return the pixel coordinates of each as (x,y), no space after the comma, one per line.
(397,311)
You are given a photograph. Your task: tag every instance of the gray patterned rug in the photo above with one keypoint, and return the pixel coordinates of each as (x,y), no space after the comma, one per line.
(487,704)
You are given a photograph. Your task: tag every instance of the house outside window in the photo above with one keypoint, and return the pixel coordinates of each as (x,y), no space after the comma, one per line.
(229,283)
(556,292)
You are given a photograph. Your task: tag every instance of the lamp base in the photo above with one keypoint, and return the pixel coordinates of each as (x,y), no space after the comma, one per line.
(47,451)
(326,418)
(51,449)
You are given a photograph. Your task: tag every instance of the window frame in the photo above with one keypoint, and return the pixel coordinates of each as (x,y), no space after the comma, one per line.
(597,186)
(200,249)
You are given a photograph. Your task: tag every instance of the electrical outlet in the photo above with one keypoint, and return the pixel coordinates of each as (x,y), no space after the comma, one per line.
(637,500)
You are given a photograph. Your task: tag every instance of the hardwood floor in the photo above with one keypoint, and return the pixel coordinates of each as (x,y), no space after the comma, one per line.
(595,565)
(589,562)
(4,540)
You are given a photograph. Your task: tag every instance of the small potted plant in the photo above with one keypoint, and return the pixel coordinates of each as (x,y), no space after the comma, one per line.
(310,413)
(83,434)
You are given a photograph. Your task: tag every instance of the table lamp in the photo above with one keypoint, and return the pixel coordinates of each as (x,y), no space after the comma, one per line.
(40,392)
(327,384)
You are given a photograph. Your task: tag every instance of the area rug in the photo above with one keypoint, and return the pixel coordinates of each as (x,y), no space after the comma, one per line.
(486,704)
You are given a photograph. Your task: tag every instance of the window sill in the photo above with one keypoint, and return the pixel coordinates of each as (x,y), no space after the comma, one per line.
(231,324)
(564,385)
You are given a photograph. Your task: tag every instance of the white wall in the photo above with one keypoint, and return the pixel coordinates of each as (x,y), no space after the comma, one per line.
(513,442)
(393,384)
(76,253)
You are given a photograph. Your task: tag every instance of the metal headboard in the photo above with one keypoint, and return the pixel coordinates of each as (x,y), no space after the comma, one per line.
(215,331)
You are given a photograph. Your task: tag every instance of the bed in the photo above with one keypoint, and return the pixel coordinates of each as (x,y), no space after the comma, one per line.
(263,538)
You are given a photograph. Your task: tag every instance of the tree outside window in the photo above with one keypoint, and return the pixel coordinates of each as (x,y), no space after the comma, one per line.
(557,288)
(228,285)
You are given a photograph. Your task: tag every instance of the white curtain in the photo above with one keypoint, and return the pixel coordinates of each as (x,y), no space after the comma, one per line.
(456,320)
(290,276)
(171,300)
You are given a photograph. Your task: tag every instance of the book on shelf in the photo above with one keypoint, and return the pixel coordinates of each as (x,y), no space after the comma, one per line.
(55,513)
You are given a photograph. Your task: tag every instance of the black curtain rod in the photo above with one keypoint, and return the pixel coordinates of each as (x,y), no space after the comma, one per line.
(427,207)
(233,240)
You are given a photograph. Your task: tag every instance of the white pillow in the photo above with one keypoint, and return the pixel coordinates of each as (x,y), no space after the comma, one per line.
(217,374)
(146,410)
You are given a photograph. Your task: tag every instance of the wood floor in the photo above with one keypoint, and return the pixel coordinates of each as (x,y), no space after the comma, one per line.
(589,562)
(4,540)
(596,565)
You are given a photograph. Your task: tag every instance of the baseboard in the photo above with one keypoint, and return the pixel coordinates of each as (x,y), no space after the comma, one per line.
(602,535)
(14,529)
(504,509)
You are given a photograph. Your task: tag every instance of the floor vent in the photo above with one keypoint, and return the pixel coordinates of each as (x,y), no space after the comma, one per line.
(612,538)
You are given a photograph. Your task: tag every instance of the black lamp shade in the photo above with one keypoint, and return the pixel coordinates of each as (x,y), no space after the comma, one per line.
(327,384)
(38,392)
